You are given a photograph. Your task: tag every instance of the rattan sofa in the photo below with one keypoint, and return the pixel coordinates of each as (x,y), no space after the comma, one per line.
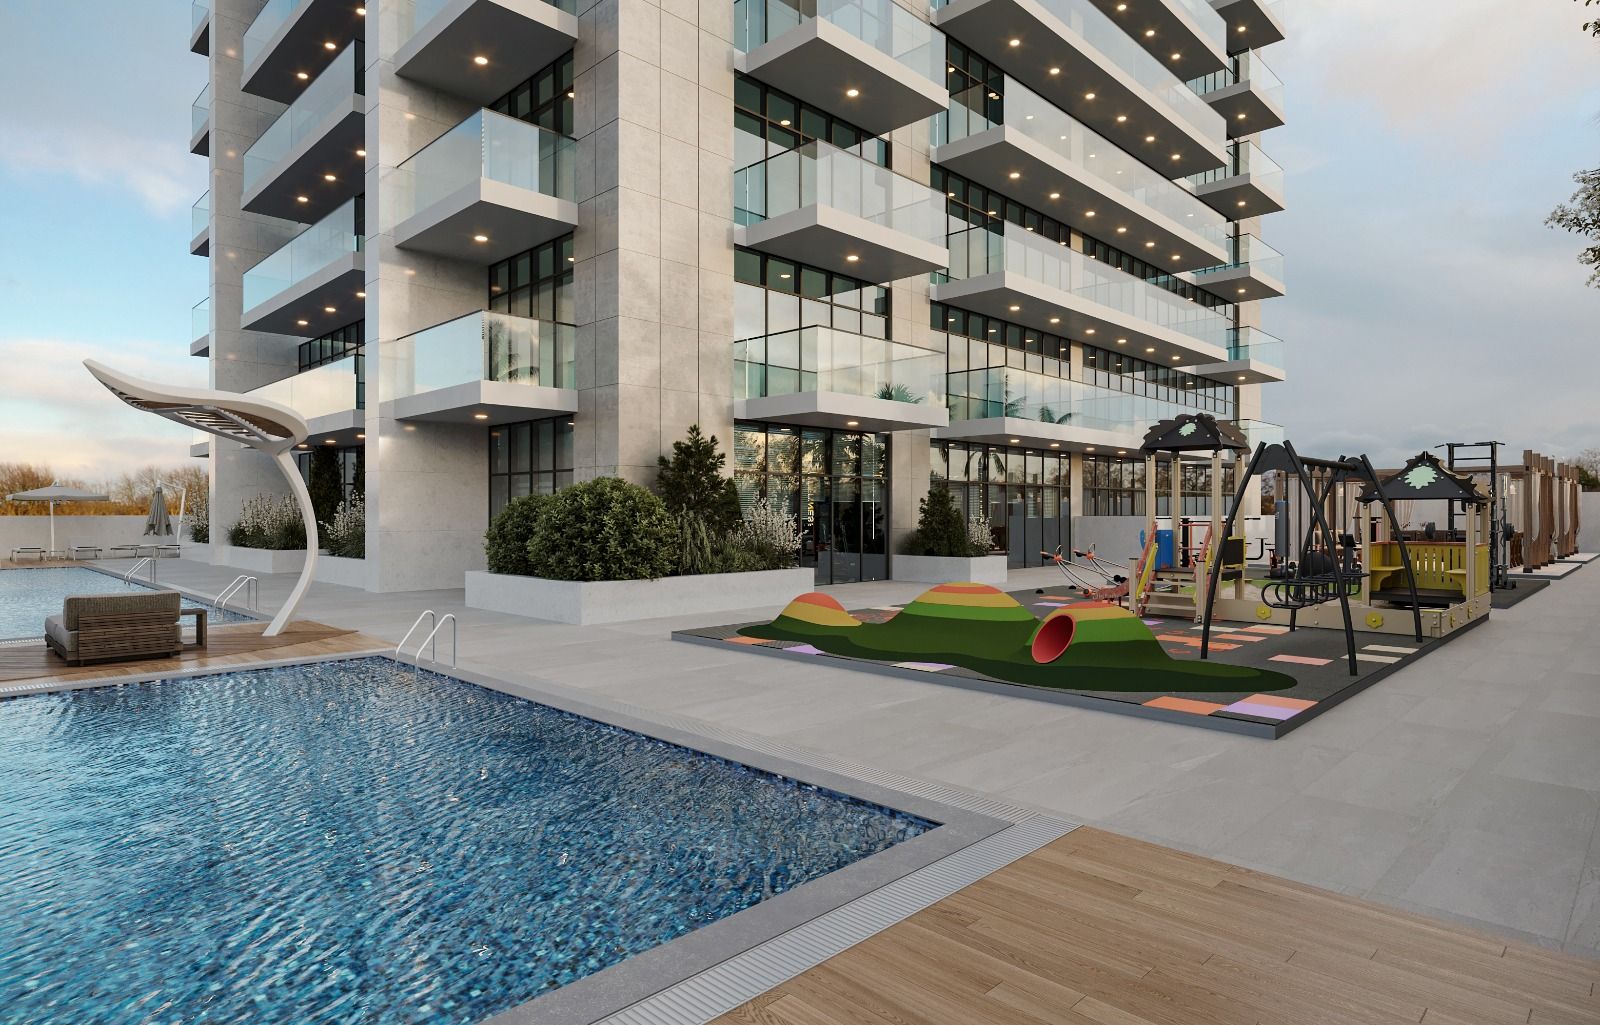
(114,627)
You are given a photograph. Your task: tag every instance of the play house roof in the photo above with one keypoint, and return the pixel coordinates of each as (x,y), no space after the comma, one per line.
(1424,476)
(1195,432)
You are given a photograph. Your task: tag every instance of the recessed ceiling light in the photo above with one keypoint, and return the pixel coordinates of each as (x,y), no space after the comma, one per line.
(1122,341)
(480,238)
(1088,96)
(1177,56)
(328,441)
(330,45)
(1015,175)
(361,295)
(852,258)
(852,93)
(1242,291)
(480,416)
(1150,348)
(1177,156)
(1122,7)
(1055,444)
(303,323)
(361,152)
(361,12)
(1055,195)
(329,309)
(1241,28)
(1177,359)
(1149,33)
(1055,71)
(361,437)
(1088,448)
(1016,42)
(1149,245)
(480,60)
(302,199)
(301,75)
(302,445)
(1121,118)
(330,177)
(1122,231)
(1241,202)
(1014,309)
(1088,213)
(1090,331)
(784,122)
(1055,320)
(1241,377)
(1016,441)
(852,423)
(1240,117)
(1122,451)
(572,94)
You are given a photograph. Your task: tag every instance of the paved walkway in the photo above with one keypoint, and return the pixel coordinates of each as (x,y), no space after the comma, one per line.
(1465,786)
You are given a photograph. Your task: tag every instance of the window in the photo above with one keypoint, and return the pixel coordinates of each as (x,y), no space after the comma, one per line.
(545,99)
(997,368)
(1022,492)
(335,346)
(529,458)
(767,122)
(1118,372)
(352,469)
(1115,486)
(537,283)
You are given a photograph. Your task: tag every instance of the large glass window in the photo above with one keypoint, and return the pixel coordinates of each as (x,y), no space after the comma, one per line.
(352,468)
(335,346)
(537,283)
(767,122)
(1115,486)
(545,99)
(1022,492)
(1119,372)
(836,483)
(529,458)
(772,295)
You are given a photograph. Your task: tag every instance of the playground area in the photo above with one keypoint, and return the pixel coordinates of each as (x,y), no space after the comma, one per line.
(1201,629)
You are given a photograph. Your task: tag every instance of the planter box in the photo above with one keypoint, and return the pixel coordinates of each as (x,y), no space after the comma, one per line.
(618,601)
(333,569)
(934,569)
(257,560)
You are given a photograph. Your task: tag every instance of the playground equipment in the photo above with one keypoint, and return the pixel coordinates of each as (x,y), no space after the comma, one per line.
(1479,458)
(1547,493)
(1092,580)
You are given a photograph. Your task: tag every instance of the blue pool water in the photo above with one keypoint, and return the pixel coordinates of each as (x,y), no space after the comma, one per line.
(346,843)
(29,595)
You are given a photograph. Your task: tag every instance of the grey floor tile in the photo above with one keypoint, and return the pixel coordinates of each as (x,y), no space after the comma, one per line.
(1388,782)
(1342,846)
(1094,789)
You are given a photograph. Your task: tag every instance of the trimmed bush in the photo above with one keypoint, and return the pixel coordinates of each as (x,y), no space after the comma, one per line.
(506,543)
(324,483)
(692,482)
(941,529)
(603,529)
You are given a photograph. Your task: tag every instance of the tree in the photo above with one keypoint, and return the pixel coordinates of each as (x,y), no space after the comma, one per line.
(1592,27)
(1581,214)
(1588,464)
(691,482)
(327,490)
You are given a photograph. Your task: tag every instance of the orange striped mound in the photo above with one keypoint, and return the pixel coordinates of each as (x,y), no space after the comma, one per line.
(817,609)
(968,601)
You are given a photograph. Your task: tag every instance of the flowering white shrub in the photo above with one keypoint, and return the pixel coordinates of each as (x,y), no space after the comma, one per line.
(268,521)
(771,536)
(980,535)
(346,534)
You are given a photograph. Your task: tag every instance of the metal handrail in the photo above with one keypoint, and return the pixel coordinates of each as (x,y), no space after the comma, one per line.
(243,582)
(399,648)
(127,577)
(450,618)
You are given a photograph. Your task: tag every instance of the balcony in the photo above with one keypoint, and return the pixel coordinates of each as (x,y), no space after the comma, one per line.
(1254,357)
(200,324)
(1254,271)
(1020,277)
(1247,94)
(200,29)
(1252,24)
(485,367)
(1077,58)
(872,62)
(490,187)
(200,226)
(829,208)
(1249,185)
(314,283)
(1048,159)
(822,377)
(200,123)
(306,162)
(1191,29)
(328,398)
(442,39)
(289,39)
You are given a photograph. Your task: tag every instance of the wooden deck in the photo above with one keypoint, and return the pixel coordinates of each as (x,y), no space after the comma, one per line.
(238,644)
(1097,929)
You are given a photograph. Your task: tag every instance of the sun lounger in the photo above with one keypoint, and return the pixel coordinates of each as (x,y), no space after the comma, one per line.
(35,552)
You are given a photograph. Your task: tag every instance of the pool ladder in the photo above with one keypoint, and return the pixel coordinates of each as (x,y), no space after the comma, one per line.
(243,584)
(431,641)
(127,577)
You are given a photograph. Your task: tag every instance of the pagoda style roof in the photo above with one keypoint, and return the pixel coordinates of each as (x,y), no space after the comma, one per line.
(1425,477)
(1195,432)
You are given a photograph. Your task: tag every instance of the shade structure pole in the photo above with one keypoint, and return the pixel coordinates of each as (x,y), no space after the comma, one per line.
(52,528)
(302,497)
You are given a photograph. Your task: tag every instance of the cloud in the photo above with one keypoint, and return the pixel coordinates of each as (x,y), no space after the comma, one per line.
(160,173)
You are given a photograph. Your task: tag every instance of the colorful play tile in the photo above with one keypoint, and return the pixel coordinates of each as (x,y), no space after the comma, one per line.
(744,640)
(1295,704)
(1390,649)
(1267,628)
(1050,604)
(1387,660)
(1173,704)
(1300,660)
(804,649)
(1261,711)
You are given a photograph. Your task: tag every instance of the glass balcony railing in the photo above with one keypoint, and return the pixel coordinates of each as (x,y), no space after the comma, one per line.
(198,13)
(414,15)
(200,215)
(885,26)
(1259,432)
(1245,158)
(823,359)
(1246,67)
(485,145)
(322,391)
(200,318)
(482,346)
(1255,344)
(818,174)
(329,92)
(1045,123)
(1211,24)
(1029,395)
(308,252)
(1249,251)
(1101,33)
(266,25)
(978,251)
(200,111)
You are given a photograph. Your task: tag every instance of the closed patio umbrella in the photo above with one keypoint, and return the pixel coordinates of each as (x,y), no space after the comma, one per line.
(53,494)
(159,522)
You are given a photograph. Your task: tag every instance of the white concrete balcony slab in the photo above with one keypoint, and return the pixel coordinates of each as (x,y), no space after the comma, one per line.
(200,225)
(1015,430)
(829,208)
(314,283)
(1255,357)
(1071,53)
(328,398)
(1248,95)
(1188,36)
(308,161)
(479,49)
(1254,271)
(200,448)
(1010,405)
(872,62)
(1017,276)
(1048,159)
(1252,24)
(488,368)
(200,123)
(287,44)
(822,377)
(1249,185)
(490,187)
(200,322)
(200,28)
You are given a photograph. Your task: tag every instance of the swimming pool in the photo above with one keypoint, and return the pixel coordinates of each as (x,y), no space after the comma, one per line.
(29,595)
(344,842)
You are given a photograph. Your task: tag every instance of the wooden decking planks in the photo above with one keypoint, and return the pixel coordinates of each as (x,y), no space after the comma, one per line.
(1097,929)
(237,644)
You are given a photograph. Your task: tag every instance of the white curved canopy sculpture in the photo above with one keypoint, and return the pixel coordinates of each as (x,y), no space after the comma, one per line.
(267,427)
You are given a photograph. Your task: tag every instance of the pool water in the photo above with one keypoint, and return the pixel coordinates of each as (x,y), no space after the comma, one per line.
(345,842)
(29,595)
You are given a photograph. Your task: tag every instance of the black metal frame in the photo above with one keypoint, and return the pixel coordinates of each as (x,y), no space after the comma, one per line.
(1472,461)
(1283,457)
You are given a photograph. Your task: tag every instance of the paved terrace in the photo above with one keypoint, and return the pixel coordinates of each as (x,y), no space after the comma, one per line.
(1466,786)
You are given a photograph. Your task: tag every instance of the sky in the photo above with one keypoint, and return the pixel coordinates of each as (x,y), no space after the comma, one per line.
(1427,141)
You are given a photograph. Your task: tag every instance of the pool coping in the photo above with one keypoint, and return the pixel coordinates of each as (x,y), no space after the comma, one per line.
(250,615)
(698,976)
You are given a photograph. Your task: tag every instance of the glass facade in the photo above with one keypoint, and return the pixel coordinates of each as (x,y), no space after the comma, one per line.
(544,99)
(1123,373)
(1022,492)
(352,468)
(836,483)
(767,122)
(997,368)
(1114,486)
(536,283)
(529,458)
(335,346)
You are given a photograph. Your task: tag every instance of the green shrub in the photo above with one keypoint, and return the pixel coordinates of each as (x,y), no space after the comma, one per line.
(324,483)
(692,482)
(346,534)
(604,529)
(269,521)
(506,543)
(941,529)
(768,539)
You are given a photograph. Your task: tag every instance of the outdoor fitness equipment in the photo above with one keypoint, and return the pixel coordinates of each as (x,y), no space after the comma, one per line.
(1476,457)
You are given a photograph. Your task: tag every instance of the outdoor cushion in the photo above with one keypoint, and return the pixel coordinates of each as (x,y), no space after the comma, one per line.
(67,640)
(118,604)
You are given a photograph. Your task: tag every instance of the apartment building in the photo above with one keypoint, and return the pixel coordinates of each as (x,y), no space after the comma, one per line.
(489,247)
